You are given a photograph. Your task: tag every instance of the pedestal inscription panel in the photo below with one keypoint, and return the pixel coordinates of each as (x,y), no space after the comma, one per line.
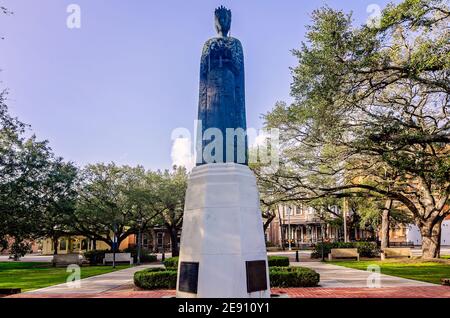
(188,277)
(256,276)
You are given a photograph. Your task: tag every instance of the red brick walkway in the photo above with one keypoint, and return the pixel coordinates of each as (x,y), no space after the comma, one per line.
(386,292)
(318,292)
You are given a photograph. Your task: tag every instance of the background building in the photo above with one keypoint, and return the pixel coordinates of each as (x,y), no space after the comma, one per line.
(303,227)
(156,239)
(413,233)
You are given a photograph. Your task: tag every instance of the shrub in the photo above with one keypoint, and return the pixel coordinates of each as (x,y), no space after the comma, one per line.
(156,278)
(365,249)
(293,277)
(278,261)
(95,257)
(19,249)
(368,249)
(146,257)
(171,263)
(153,269)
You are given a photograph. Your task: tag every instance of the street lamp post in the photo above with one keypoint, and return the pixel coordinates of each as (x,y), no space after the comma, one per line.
(321,232)
(139,239)
(138,262)
(163,255)
(114,245)
(344,215)
(289,228)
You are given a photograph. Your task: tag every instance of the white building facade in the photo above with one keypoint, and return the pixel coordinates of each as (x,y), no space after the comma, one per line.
(413,234)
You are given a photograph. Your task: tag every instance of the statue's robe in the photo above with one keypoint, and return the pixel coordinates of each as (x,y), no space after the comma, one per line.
(222,96)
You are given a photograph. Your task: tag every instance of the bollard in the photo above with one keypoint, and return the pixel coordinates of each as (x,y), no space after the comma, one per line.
(297,259)
(163,256)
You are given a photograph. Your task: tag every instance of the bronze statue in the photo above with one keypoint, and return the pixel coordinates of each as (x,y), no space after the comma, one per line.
(222,96)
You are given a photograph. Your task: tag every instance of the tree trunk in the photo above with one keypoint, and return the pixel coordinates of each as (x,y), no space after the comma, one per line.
(282,232)
(283,237)
(110,243)
(55,245)
(55,248)
(94,244)
(269,220)
(154,240)
(120,239)
(431,239)
(174,241)
(139,246)
(385,224)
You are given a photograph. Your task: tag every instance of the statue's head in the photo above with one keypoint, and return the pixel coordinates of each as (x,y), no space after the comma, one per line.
(223,20)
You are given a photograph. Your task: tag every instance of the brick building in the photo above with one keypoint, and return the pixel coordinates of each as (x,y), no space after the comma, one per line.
(302,226)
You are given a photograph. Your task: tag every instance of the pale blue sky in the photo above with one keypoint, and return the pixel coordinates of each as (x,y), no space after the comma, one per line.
(116,88)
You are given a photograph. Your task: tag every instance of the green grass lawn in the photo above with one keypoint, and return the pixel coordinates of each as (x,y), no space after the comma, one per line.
(445,256)
(431,272)
(29,276)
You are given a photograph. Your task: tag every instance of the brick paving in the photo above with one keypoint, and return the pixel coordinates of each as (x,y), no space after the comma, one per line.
(349,292)
(313,292)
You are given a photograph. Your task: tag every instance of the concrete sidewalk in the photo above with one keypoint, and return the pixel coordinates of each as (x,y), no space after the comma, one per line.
(331,276)
(29,258)
(349,282)
(96,284)
(338,276)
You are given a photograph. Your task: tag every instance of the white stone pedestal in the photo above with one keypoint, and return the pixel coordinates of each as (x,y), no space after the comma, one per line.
(222,229)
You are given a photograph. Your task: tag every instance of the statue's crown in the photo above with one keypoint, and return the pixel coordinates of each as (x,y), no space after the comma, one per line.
(222,11)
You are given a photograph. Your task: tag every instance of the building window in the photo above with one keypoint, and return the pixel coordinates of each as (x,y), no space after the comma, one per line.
(84,244)
(160,239)
(145,240)
(289,210)
(62,245)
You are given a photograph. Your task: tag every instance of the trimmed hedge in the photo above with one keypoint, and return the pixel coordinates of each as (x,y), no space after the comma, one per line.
(365,249)
(147,258)
(171,263)
(156,278)
(161,278)
(368,249)
(153,269)
(278,261)
(293,277)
